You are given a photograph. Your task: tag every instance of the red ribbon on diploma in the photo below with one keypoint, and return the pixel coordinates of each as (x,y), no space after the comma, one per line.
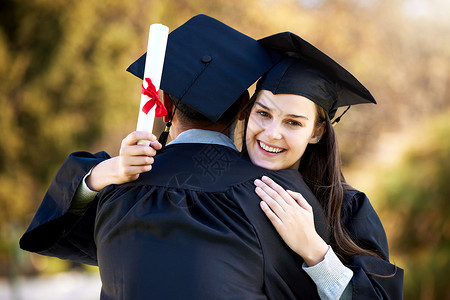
(152,93)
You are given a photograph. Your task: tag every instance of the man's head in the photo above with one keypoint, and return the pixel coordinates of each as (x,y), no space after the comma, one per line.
(208,67)
(185,117)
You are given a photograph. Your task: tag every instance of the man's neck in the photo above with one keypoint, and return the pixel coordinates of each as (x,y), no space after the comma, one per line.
(178,128)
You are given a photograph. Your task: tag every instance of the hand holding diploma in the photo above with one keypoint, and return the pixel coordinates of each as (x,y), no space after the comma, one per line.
(151,105)
(133,160)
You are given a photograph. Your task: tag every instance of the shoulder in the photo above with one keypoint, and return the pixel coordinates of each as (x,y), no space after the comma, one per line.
(356,204)
(353,201)
(363,223)
(202,167)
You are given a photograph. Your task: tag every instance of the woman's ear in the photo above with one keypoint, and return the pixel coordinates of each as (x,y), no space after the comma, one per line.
(168,105)
(319,130)
(243,107)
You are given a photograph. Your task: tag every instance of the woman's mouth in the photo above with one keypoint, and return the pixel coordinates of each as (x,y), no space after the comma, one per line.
(270,149)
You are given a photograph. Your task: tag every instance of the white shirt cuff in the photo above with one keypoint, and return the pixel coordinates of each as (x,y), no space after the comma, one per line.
(330,276)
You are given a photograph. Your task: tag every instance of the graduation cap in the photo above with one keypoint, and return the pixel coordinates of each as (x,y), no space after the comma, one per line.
(209,65)
(307,71)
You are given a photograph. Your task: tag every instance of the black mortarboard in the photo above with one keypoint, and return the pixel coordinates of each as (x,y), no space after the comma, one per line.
(209,65)
(308,72)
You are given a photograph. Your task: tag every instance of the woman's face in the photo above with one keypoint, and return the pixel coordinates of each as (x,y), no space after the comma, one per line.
(279,129)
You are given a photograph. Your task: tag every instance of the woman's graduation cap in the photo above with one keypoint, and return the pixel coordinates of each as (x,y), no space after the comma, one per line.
(307,71)
(209,65)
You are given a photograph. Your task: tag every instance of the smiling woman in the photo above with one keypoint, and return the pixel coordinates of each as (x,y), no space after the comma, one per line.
(279,129)
(289,126)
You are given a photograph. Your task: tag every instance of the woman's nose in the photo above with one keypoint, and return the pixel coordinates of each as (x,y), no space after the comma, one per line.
(273,131)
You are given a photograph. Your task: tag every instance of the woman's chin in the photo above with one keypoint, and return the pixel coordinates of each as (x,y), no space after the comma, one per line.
(267,164)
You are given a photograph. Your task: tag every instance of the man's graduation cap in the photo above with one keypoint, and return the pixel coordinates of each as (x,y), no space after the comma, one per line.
(209,65)
(307,71)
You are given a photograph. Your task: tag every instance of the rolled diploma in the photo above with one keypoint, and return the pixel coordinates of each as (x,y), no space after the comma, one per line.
(156,50)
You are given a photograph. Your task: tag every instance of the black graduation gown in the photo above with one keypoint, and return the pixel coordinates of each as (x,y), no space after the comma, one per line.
(193,230)
(364,226)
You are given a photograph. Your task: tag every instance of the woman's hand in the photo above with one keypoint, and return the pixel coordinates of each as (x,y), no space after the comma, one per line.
(133,160)
(293,218)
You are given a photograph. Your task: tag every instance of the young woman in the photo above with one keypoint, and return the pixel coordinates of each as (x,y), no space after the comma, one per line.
(289,127)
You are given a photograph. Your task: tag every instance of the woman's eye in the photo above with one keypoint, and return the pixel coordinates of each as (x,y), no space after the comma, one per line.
(263,114)
(294,123)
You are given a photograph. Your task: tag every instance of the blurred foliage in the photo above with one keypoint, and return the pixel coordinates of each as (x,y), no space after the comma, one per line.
(415,193)
(408,184)
(64,87)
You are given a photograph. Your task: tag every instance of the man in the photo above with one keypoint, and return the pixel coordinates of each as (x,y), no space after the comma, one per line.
(191,228)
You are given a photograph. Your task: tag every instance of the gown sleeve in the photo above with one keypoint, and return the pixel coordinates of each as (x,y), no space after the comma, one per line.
(373,278)
(55,232)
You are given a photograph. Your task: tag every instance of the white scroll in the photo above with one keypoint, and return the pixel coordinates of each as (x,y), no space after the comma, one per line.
(156,50)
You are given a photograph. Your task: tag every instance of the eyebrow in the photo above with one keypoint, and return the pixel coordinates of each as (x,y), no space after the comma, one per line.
(289,115)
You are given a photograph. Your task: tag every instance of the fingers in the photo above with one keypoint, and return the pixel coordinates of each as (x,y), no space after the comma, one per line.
(137,150)
(136,158)
(270,201)
(136,136)
(280,190)
(134,164)
(131,147)
(132,172)
(275,191)
(278,198)
(155,145)
(270,214)
(300,200)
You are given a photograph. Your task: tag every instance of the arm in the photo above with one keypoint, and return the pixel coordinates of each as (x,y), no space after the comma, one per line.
(133,160)
(82,198)
(292,217)
(52,221)
(64,223)
(332,278)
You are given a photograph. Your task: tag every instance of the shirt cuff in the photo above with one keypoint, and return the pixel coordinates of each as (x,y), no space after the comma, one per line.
(330,276)
(82,198)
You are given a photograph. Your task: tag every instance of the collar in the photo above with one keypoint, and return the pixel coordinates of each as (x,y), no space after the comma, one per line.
(201,136)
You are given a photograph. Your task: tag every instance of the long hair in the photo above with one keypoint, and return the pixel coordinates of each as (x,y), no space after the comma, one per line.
(320,167)
(321,170)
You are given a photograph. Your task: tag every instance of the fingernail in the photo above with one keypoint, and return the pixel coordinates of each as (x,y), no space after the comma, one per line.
(265,178)
(257,181)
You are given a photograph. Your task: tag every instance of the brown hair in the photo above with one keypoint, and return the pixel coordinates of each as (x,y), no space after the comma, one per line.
(189,115)
(320,167)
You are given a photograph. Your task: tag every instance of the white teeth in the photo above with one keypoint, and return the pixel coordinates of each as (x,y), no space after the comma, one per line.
(270,149)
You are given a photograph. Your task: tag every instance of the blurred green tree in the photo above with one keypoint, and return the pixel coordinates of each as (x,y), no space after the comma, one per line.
(63,86)
(415,194)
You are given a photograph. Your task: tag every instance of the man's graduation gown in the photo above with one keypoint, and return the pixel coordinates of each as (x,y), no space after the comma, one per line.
(192,229)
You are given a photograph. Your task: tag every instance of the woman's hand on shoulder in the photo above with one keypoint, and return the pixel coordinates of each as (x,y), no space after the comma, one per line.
(292,216)
(133,160)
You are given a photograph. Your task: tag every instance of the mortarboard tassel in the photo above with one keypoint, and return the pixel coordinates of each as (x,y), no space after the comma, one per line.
(164,136)
(339,118)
